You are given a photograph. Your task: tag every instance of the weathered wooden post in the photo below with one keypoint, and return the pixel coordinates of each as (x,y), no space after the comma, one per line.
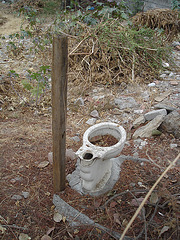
(59,108)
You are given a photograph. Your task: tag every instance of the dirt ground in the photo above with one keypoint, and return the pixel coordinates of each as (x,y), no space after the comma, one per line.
(26,140)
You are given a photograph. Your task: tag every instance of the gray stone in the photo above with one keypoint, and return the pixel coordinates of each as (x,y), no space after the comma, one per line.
(162,75)
(126,102)
(145,95)
(151,84)
(16,197)
(70,154)
(72,215)
(79,101)
(151,115)
(76,218)
(167,106)
(75,138)
(171,124)
(91,121)
(171,75)
(138,121)
(146,131)
(94,114)
(25,194)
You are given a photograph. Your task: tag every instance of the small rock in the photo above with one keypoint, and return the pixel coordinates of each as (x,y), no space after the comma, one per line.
(174,83)
(171,75)
(171,124)
(132,184)
(151,115)
(168,107)
(136,154)
(173,145)
(50,157)
(126,102)
(138,121)
(145,95)
(166,65)
(24,236)
(79,101)
(91,121)
(162,75)
(139,111)
(94,114)
(75,138)
(25,194)
(70,154)
(16,197)
(151,84)
(140,184)
(43,164)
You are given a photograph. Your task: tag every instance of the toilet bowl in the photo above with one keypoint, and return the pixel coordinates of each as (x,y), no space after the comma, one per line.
(95,161)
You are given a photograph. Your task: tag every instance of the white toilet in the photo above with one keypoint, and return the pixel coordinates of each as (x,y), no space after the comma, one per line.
(95,161)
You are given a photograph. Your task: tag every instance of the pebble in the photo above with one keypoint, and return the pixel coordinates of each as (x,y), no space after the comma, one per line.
(75,138)
(91,121)
(140,184)
(151,84)
(79,101)
(94,114)
(16,197)
(25,194)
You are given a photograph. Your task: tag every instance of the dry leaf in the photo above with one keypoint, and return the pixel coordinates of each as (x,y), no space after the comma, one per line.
(98,230)
(116,218)
(43,164)
(164,229)
(46,237)
(24,236)
(76,231)
(64,219)
(136,202)
(50,230)
(57,217)
(154,198)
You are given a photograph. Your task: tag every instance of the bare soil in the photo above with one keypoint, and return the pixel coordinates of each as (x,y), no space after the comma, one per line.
(26,140)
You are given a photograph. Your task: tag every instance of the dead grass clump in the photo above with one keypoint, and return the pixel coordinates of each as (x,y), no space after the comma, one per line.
(165,19)
(111,53)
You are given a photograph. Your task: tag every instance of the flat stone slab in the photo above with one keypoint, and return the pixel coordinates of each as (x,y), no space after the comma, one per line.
(152,114)
(146,131)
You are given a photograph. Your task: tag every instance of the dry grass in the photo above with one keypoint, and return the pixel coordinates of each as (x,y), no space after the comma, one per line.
(165,19)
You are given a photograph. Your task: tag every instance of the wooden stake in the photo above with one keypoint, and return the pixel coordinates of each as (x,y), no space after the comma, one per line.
(59,108)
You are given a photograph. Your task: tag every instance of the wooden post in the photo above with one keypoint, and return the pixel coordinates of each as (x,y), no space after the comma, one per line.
(59,108)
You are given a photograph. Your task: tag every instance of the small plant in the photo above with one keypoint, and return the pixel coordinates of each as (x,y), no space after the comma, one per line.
(37,83)
(30,15)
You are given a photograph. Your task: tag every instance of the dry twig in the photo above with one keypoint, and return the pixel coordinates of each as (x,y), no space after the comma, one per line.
(147,196)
